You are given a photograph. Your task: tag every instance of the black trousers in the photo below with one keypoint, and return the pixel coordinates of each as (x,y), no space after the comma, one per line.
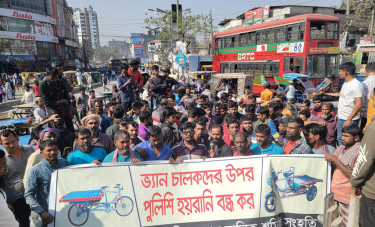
(126,106)
(363,123)
(366,212)
(22,212)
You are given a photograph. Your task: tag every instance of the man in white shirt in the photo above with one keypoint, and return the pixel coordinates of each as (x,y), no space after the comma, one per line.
(350,101)
(28,97)
(368,90)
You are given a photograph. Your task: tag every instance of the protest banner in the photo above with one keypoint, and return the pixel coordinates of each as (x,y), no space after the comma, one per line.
(250,191)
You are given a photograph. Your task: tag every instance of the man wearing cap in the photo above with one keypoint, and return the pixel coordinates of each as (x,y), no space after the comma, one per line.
(290,92)
(29,96)
(168,82)
(125,85)
(99,139)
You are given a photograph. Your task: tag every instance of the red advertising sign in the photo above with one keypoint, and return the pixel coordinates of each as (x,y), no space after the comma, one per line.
(249,17)
(258,15)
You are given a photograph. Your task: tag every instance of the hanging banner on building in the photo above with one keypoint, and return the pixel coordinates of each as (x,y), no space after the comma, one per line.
(26,15)
(249,17)
(27,36)
(258,15)
(266,12)
(249,191)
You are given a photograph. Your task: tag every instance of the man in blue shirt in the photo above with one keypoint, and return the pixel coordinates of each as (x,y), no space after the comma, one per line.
(155,148)
(263,115)
(123,152)
(264,145)
(86,153)
(38,181)
(125,85)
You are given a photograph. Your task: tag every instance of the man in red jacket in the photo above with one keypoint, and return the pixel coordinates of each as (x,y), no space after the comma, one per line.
(133,71)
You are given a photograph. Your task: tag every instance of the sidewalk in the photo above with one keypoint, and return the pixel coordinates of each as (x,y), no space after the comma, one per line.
(6,106)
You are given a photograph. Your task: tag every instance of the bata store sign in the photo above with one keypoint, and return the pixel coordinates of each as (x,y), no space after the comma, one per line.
(26,36)
(26,15)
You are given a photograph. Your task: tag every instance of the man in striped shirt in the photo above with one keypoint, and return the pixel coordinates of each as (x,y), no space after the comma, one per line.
(343,159)
(188,148)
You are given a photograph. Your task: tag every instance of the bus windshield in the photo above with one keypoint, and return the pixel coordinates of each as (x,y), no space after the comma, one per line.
(322,65)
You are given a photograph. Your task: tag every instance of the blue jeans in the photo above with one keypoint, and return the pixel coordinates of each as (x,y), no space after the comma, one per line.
(340,124)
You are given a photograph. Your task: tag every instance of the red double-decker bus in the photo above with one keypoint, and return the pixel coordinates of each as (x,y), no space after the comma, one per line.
(305,44)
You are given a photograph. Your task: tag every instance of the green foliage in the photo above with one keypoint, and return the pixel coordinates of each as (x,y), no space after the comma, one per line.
(190,27)
(104,53)
(363,12)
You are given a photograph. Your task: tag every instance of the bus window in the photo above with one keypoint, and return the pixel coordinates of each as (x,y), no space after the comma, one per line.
(367,57)
(301,31)
(267,70)
(218,43)
(270,36)
(243,40)
(293,31)
(316,66)
(332,30)
(288,64)
(318,30)
(280,34)
(251,38)
(333,65)
(227,42)
(261,37)
(299,65)
(275,69)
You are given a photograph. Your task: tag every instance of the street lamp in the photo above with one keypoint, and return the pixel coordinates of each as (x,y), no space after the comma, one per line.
(157,10)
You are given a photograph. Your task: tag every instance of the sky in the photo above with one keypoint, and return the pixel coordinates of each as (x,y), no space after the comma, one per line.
(118,18)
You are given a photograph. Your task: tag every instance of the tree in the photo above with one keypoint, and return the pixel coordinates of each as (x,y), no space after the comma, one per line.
(359,21)
(189,28)
(105,53)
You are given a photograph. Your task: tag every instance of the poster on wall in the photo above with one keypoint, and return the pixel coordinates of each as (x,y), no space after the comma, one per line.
(250,191)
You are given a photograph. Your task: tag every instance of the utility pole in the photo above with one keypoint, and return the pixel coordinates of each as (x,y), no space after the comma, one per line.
(177,11)
(347,7)
(212,34)
(372,26)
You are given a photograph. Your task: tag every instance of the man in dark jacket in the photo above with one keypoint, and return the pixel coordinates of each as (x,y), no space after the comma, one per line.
(218,148)
(168,117)
(56,98)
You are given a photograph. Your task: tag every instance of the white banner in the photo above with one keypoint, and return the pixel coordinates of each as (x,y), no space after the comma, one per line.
(26,15)
(27,36)
(252,191)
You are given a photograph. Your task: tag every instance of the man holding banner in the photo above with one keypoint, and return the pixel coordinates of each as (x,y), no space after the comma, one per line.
(343,160)
(38,182)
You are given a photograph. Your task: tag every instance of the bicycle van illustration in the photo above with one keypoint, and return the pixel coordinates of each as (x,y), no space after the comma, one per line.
(293,186)
(82,202)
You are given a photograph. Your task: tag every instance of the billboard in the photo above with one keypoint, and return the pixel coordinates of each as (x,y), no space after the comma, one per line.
(259,190)
(137,35)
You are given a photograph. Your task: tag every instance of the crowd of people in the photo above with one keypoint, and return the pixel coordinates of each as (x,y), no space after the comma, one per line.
(163,119)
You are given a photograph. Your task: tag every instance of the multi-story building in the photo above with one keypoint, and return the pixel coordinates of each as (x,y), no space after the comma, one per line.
(122,46)
(88,29)
(35,34)
(27,35)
